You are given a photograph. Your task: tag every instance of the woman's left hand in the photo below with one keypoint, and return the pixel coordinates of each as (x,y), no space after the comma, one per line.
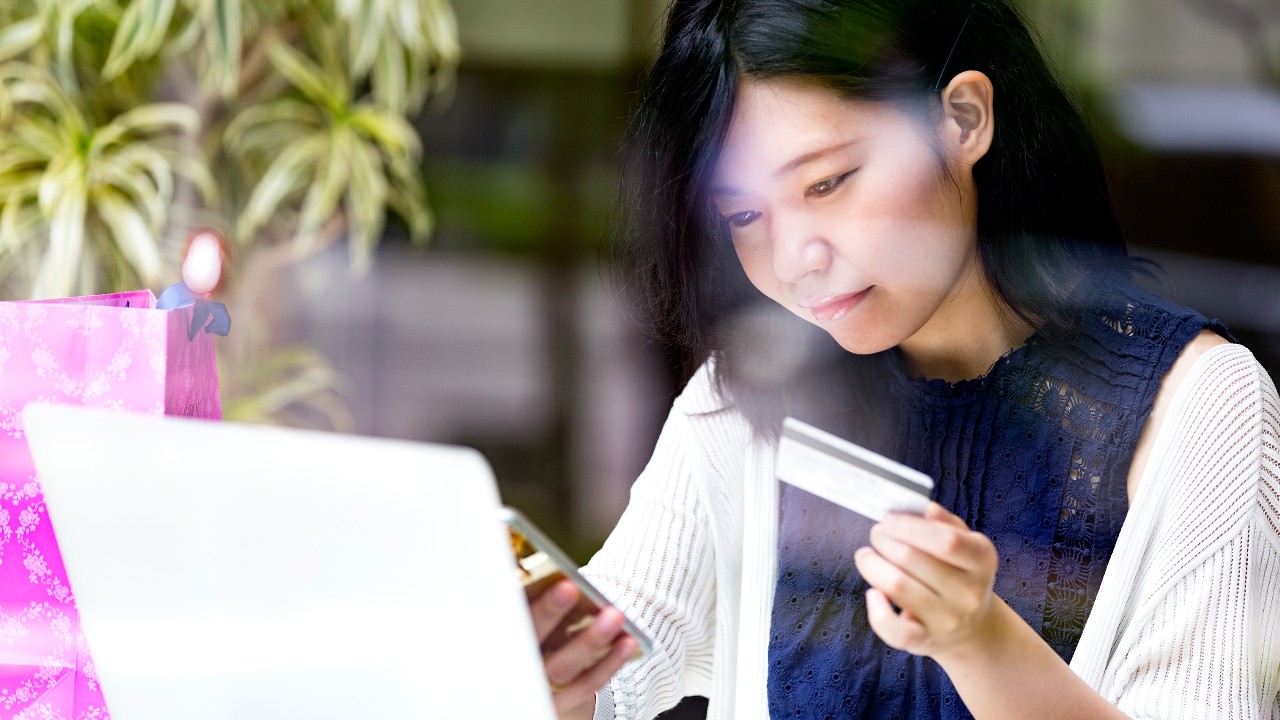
(939,572)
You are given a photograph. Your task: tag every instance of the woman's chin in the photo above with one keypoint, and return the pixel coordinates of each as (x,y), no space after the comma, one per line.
(860,344)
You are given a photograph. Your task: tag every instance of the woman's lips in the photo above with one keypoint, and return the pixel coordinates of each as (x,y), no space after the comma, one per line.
(829,309)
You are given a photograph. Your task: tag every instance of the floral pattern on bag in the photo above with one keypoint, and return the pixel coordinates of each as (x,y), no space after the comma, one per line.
(113,352)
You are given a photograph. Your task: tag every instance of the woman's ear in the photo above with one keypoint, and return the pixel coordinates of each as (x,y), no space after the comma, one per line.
(968,116)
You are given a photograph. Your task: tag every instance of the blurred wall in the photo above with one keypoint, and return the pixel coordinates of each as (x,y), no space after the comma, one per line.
(547,32)
(1141,40)
(551,33)
(1186,97)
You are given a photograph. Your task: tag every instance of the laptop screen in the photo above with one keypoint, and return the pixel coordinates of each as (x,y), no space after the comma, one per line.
(236,571)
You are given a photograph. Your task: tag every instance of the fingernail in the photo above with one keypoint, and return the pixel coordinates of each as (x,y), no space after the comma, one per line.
(564,595)
(609,623)
(628,647)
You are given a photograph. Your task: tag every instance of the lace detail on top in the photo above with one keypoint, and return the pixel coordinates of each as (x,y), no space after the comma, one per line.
(1035,455)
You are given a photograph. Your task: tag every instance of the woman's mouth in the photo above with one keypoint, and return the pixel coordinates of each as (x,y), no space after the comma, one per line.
(829,309)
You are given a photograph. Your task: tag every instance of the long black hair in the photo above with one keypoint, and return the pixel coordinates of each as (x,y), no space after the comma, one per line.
(1044,214)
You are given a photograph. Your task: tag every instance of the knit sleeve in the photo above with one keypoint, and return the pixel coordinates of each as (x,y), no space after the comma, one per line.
(1199,634)
(658,568)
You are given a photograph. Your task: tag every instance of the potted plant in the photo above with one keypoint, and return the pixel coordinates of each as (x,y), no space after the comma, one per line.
(126,124)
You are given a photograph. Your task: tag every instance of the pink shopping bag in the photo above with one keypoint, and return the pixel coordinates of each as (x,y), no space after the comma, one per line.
(111,351)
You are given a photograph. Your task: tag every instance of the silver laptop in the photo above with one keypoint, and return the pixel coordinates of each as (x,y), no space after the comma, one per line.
(236,571)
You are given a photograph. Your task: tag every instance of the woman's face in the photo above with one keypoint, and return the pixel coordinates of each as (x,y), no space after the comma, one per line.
(842,212)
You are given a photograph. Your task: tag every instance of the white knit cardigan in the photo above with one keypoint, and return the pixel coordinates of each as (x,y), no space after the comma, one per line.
(1186,623)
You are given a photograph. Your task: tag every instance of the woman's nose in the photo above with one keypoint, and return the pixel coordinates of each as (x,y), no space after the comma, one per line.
(799,249)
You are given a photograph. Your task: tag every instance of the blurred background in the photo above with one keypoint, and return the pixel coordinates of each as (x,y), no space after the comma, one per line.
(505,332)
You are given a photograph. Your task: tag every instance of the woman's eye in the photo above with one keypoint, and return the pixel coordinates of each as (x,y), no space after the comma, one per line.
(741,219)
(825,187)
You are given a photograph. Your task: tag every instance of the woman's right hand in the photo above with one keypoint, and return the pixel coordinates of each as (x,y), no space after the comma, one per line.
(581,666)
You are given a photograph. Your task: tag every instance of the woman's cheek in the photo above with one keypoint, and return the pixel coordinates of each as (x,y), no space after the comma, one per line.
(756,262)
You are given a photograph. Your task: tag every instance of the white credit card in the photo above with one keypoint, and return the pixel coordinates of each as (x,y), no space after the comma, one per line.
(848,475)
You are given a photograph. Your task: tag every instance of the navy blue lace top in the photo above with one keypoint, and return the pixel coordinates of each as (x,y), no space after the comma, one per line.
(1035,454)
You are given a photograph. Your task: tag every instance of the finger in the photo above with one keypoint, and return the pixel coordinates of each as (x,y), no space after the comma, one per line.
(549,608)
(898,631)
(584,650)
(936,512)
(935,574)
(933,512)
(904,590)
(953,544)
(591,680)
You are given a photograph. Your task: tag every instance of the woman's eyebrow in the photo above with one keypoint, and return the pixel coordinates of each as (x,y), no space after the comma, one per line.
(728,191)
(812,155)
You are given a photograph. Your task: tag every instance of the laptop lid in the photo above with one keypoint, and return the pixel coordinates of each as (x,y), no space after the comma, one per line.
(236,571)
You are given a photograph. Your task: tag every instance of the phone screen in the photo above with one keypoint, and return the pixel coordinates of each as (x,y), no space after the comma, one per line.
(541,564)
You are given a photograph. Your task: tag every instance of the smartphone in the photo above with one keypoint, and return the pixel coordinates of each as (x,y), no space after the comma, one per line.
(541,564)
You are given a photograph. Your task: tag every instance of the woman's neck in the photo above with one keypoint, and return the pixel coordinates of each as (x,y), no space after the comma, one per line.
(970,331)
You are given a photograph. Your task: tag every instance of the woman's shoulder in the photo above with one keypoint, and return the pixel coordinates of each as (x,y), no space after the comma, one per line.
(702,393)
(1217,383)
(1171,388)
(1123,348)
(708,411)
(1128,313)
(1218,441)
(707,395)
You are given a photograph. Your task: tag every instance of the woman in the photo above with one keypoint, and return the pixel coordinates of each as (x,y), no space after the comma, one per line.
(908,182)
